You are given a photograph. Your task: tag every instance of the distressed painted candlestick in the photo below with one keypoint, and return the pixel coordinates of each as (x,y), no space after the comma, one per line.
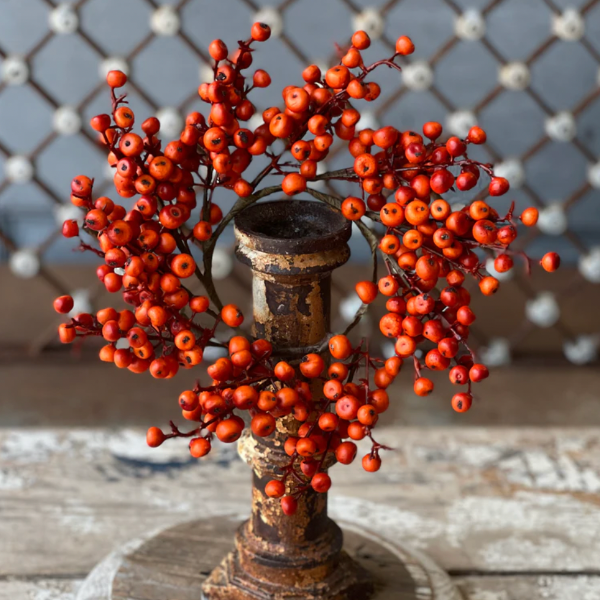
(292,248)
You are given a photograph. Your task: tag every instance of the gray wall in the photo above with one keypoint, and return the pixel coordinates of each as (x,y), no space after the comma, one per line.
(64,71)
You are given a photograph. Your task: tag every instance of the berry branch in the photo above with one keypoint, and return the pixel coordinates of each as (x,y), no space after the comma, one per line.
(428,250)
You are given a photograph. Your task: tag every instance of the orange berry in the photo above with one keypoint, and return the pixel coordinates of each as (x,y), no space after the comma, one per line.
(371,463)
(260,32)
(423,386)
(275,489)
(199,447)
(529,217)
(321,483)
(340,347)
(353,208)
(63,304)
(154,437)
(361,40)
(116,79)
(404,45)
(293,183)
(232,315)
(550,262)
(367,291)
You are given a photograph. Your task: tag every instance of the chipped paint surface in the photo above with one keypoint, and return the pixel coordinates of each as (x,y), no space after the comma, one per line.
(472,499)
(275,555)
(40,589)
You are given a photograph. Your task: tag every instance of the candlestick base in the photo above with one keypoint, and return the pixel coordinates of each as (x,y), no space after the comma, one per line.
(231,581)
(179,562)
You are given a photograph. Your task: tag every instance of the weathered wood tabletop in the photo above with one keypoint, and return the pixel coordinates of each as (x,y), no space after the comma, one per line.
(512,514)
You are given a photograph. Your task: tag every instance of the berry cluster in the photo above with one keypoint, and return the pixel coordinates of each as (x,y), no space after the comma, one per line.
(147,255)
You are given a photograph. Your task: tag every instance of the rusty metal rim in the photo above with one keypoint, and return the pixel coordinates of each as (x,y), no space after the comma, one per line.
(293,227)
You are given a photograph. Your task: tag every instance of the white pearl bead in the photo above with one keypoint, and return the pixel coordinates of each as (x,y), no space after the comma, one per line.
(108,171)
(561,127)
(470,25)
(321,184)
(367,121)
(543,310)
(388,349)
(582,350)
(68,212)
(511,169)
(514,76)
(203,171)
(272,17)
(552,219)
(460,122)
(589,265)
(349,305)
(569,26)
(222,265)
(112,63)
(165,21)
(594,175)
(417,75)
(66,121)
(122,344)
(212,353)
(81,302)
(18,169)
(496,353)
(256,120)
(370,21)
(24,264)
(63,19)
(171,122)
(207,74)
(15,70)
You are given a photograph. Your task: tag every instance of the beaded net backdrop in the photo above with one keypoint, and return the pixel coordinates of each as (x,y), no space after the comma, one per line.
(528,72)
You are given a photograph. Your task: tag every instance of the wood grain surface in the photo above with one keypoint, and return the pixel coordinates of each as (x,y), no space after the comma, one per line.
(176,562)
(510,513)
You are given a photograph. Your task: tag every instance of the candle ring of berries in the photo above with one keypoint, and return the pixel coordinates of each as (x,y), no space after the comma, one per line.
(427,248)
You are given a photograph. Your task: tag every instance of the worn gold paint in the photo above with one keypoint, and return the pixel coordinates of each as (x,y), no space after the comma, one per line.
(277,556)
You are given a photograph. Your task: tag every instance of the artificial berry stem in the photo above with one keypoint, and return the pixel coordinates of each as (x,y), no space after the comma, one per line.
(401,178)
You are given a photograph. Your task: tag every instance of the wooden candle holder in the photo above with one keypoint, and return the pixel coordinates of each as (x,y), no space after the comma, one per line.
(292,248)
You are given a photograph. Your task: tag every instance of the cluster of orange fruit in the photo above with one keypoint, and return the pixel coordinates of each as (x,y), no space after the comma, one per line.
(148,253)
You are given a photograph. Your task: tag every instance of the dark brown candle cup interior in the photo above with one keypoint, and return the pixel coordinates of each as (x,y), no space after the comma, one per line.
(293,227)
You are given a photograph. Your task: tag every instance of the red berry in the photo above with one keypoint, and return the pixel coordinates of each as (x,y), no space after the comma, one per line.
(423,386)
(459,375)
(154,437)
(498,186)
(260,32)
(289,505)
(441,181)
(432,130)
(346,452)
(321,482)
(478,372)
(371,463)
(404,45)
(529,217)
(275,489)
(456,147)
(550,262)
(477,135)
(116,79)
(199,447)
(462,402)
(63,304)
